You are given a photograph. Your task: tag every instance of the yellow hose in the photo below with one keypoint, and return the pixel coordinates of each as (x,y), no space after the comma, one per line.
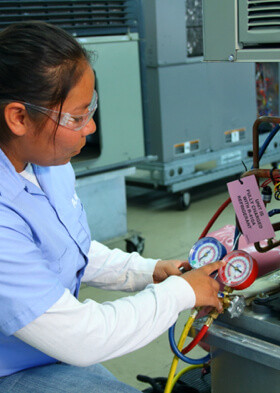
(182,372)
(169,383)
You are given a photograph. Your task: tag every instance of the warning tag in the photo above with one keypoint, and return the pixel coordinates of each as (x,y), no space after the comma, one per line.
(250,209)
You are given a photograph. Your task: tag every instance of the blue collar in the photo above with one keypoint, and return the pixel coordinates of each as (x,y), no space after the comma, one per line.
(11,182)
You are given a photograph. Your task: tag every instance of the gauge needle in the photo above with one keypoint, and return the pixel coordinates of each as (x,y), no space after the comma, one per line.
(205,255)
(236,268)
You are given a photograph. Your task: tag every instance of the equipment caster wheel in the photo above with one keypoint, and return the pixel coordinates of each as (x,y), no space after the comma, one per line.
(184,201)
(135,243)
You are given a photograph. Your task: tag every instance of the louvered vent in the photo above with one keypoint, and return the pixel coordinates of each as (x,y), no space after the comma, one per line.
(263,15)
(80,18)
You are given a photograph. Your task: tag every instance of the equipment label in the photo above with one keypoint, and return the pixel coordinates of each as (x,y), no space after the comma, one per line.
(250,209)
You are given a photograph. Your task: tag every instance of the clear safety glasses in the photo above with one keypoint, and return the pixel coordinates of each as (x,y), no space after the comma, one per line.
(73,122)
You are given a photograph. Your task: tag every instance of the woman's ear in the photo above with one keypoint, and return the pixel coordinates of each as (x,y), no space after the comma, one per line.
(16,118)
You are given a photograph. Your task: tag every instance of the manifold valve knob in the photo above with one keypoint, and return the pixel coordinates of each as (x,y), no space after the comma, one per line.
(236,307)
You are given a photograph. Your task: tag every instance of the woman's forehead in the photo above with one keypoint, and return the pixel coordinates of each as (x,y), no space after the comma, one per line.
(81,95)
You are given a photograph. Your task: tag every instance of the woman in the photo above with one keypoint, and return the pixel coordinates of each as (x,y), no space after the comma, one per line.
(49,341)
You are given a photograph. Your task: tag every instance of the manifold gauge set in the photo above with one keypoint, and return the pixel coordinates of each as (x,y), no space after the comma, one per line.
(240,270)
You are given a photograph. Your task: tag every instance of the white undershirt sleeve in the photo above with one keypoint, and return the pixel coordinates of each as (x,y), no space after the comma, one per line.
(117,270)
(85,333)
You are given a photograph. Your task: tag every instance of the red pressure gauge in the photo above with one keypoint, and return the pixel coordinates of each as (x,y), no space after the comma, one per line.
(240,270)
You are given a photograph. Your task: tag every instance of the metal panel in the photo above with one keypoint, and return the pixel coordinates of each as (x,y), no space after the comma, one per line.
(181,105)
(199,101)
(120,123)
(233,106)
(219,30)
(164,46)
(240,30)
(79,17)
(104,200)
(245,352)
(232,373)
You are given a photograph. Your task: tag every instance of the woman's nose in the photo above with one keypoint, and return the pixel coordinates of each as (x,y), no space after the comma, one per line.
(89,128)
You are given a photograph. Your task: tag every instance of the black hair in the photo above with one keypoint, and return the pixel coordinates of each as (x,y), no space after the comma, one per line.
(39,63)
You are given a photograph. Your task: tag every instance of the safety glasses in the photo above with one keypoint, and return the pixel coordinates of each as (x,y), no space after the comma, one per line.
(73,122)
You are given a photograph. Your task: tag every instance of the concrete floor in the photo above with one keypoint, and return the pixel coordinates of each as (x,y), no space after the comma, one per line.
(169,234)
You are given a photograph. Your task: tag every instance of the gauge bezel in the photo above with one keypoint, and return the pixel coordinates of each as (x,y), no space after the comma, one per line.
(243,281)
(201,243)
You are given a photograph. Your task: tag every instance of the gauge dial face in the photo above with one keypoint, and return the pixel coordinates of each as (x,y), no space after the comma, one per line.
(205,251)
(240,270)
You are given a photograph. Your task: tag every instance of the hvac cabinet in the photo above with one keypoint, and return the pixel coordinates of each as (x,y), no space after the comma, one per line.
(200,115)
(119,139)
(118,144)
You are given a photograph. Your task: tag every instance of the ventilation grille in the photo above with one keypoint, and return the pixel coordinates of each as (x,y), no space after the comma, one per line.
(263,15)
(80,18)
(194,28)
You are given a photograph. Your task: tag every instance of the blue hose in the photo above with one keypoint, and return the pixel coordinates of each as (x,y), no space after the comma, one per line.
(273,212)
(268,140)
(179,354)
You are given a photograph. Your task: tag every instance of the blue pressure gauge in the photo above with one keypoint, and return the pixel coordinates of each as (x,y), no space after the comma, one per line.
(206,250)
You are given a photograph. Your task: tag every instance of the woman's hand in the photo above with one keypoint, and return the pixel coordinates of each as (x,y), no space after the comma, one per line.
(164,269)
(205,287)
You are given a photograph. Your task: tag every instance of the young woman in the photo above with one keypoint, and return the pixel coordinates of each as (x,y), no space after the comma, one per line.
(49,341)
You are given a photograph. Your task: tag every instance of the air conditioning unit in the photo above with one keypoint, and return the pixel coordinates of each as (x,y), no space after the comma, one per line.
(241,30)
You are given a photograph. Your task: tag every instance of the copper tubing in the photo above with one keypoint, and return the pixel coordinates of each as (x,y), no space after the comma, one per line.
(262,173)
(271,244)
(269,247)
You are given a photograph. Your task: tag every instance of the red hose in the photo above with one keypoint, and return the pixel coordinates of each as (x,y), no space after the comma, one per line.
(196,340)
(214,218)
